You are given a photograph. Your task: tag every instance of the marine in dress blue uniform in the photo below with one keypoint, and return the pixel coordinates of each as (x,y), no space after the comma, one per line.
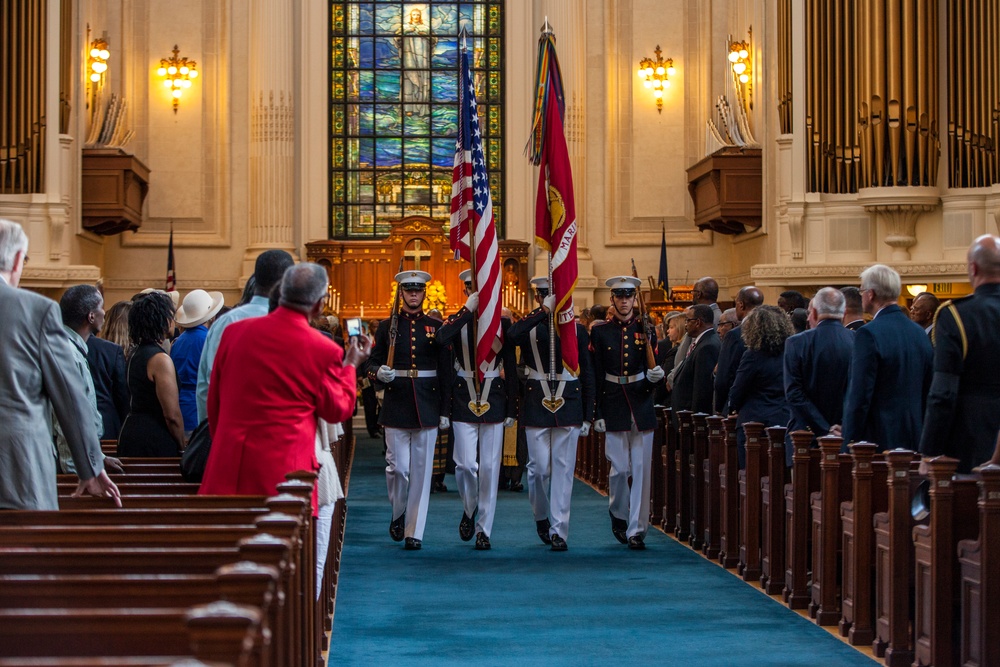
(411,407)
(478,419)
(552,436)
(625,385)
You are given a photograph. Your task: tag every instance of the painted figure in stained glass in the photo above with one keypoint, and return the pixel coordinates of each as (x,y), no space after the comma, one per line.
(416,46)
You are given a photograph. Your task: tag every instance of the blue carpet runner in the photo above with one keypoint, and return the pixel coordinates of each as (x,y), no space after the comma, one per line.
(522,604)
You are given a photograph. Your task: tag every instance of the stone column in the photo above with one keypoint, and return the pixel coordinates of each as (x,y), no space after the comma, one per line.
(272,128)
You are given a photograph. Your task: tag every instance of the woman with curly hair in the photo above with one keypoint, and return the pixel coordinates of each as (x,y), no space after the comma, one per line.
(154,426)
(758,393)
(115,327)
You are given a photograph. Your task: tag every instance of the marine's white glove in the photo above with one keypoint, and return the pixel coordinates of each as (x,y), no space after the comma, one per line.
(444,423)
(472,303)
(386,374)
(584,429)
(549,303)
(600,426)
(508,422)
(655,374)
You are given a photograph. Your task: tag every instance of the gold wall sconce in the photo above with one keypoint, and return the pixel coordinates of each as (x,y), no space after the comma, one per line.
(97,62)
(916,290)
(740,53)
(655,75)
(178,73)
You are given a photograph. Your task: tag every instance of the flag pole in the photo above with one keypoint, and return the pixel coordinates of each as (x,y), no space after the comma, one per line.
(462,94)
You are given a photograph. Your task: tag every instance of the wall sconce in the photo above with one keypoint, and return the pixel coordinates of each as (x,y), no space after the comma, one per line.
(178,73)
(655,75)
(97,63)
(739,56)
(914,290)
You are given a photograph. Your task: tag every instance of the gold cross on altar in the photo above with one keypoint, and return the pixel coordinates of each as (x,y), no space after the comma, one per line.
(416,254)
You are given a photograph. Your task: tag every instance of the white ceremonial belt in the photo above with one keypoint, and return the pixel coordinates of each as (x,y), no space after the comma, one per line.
(413,373)
(565,376)
(625,379)
(472,374)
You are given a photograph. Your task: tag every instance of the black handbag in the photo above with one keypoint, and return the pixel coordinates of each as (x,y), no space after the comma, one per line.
(195,457)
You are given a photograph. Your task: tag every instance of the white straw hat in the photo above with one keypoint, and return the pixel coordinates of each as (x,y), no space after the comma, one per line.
(199,307)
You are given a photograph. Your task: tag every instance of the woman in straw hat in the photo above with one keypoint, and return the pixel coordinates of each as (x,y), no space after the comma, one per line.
(194,315)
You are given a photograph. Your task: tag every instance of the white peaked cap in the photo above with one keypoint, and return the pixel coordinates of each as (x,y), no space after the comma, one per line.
(465,276)
(540,282)
(411,277)
(623,282)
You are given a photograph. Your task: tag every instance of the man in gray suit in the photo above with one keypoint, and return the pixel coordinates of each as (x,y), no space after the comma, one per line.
(36,372)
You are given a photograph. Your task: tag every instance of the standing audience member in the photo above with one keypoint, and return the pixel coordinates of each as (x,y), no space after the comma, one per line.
(705,292)
(625,385)
(369,400)
(693,380)
(263,402)
(727,323)
(799,319)
(267,272)
(34,378)
(554,415)
(82,308)
(115,329)
(890,369)
(758,393)
(154,426)
(733,347)
(598,313)
(790,300)
(922,310)
(816,365)
(107,369)
(666,352)
(194,316)
(411,408)
(963,407)
(854,314)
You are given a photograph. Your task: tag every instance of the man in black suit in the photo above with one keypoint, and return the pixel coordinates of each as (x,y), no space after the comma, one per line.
(816,365)
(693,381)
(890,369)
(733,347)
(107,367)
(963,408)
(923,309)
(853,311)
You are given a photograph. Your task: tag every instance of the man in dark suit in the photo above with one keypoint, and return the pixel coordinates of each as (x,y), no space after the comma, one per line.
(817,362)
(34,379)
(107,367)
(923,309)
(733,347)
(853,311)
(693,381)
(890,369)
(963,408)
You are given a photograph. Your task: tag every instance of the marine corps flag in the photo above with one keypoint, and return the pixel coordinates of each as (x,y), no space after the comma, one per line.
(555,212)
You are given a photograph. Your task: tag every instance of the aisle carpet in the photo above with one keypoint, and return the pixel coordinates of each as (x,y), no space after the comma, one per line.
(522,604)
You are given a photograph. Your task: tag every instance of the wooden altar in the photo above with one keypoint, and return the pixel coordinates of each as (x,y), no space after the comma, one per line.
(362,271)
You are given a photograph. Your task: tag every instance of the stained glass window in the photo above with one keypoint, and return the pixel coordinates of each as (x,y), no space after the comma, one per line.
(394,108)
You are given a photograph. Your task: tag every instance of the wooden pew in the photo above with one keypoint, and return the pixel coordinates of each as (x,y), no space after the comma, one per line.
(980,562)
(894,563)
(711,481)
(729,499)
(805,480)
(868,496)
(953,518)
(835,485)
(682,483)
(696,478)
(667,457)
(772,498)
(749,565)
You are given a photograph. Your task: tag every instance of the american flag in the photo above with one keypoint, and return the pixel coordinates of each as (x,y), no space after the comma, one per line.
(171,283)
(472,207)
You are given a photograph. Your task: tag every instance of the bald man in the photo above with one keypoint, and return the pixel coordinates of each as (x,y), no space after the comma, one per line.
(963,407)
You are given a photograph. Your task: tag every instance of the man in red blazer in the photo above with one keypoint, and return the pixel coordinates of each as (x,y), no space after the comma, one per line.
(272,377)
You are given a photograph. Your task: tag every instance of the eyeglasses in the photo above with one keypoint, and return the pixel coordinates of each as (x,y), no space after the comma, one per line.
(727,324)
(691,319)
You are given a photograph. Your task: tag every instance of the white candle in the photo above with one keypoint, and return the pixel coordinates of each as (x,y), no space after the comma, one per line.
(362,310)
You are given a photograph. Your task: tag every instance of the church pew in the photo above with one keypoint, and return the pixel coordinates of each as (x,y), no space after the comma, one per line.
(772,500)
(710,479)
(749,565)
(696,478)
(835,485)
(656,473)
(953,518)
(218,633)
(729,498)
(868,496)
(131,477)
(894,563)
(682,480)
(139,488)
(667,456)
(980,563)
(798,521)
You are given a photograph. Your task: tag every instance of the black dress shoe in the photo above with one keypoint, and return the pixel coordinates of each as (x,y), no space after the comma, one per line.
(412,544)
(516,487)
(543,527)
(467,526)
(618,528)
(396,527)
(438,486)
(482,542)
(558,543)
(636,542)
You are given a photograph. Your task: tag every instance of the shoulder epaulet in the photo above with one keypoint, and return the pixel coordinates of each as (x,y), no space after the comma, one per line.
(950,307)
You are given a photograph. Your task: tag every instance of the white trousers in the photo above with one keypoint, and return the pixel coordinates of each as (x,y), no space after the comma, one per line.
(324,523)
(477,482)
(551,464)
(409,457)
(630,454)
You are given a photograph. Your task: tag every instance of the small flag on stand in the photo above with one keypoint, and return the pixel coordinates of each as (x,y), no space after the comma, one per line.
(171,278)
